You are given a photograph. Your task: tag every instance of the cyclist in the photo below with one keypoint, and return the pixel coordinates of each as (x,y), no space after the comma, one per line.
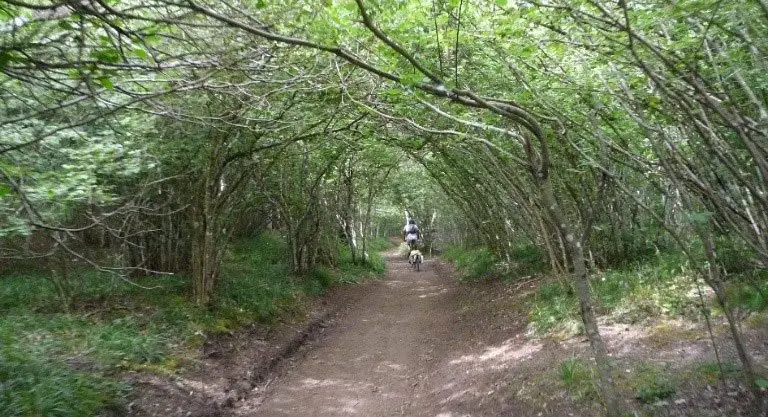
(411,234)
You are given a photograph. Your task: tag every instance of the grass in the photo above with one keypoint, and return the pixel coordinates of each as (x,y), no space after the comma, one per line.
(710,371)
(473,263)
(749,293)
(374,266)
(658,286)
(479,262)
(526,260)
(651,383)
(632,294)
(58,363)
(554,308)
(34,385)
(579,379)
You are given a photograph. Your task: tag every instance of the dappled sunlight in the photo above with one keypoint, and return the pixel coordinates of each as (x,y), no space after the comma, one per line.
(396,283)
(501,355)
(388,366)
(430,288)
(335,397)
(434,294)
(461,394)
(676,341)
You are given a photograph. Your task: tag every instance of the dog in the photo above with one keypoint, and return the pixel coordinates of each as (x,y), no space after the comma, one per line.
(415,258)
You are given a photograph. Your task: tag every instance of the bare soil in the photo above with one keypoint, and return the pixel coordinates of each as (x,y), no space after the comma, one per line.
(423,344)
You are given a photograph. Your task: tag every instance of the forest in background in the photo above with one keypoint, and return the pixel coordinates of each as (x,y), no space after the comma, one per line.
(150,144)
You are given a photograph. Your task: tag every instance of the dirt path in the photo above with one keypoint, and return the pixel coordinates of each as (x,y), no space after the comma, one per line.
(424,344)
(376,360)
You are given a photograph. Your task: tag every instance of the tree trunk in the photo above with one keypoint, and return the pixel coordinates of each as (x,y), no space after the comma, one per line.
(60,276)
(206,242)
(581,281)
(205,263)
(715,280)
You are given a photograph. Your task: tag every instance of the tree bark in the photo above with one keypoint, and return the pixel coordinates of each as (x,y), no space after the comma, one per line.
(581,281)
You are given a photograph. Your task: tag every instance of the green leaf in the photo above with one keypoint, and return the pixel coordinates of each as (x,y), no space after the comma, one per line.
(105,82)
(74,74)
(106,55)
(8,56)
(6,14)
(141,53)
(762,383)
(260,4)
(411,78)
(4,190)
(153,39)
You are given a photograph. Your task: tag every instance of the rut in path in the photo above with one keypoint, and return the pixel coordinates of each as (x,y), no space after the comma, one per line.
(378,360)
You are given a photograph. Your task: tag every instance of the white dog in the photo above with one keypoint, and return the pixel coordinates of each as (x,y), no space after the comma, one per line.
(415,258)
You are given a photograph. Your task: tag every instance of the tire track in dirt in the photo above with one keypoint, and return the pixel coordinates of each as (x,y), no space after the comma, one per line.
(377,358)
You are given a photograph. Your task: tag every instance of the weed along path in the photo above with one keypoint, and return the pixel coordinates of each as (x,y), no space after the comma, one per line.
(378,357)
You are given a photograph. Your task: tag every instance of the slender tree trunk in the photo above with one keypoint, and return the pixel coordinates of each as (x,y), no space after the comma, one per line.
(715,281)
(60,277)
(581,282)
(205,244)
(366,225)
(204,262)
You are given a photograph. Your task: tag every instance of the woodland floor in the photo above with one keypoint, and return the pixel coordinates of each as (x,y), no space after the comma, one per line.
(424,344)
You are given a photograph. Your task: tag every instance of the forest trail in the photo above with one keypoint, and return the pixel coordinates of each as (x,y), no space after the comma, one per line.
(382,357)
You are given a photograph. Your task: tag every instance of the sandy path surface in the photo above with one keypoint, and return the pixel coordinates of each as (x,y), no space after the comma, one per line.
(377,359)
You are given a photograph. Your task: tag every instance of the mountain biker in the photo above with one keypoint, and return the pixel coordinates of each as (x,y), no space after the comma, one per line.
(411,234)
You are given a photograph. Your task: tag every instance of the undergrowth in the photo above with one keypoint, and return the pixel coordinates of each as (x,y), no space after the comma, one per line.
(59,363)
(472,263)
(579,378)
(480,262)
(651,383)
(710,371)
(659,286)
(633,293)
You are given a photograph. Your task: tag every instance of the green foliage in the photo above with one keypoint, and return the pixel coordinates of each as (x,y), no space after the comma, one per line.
(255,148)
(579,379)
(710,371)
(349,272)
(255,284)
(659,286)
(526,260)
(651,383)
(474,263)
(124,341)
(637,292)
(554,307)
(32,383)
(748,295)
(26,290)
(379,245)
(58,363)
